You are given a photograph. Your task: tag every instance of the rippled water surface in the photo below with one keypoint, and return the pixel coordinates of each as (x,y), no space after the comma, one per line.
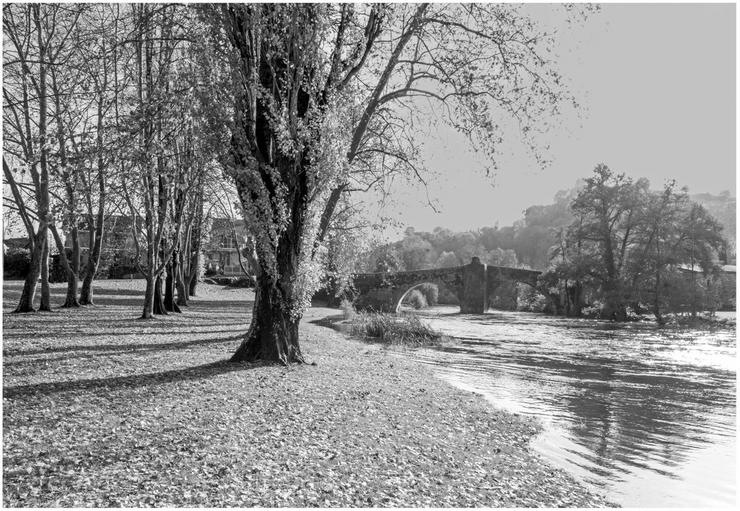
(645,415)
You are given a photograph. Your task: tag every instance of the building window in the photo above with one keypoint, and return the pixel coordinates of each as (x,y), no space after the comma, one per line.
(228,241)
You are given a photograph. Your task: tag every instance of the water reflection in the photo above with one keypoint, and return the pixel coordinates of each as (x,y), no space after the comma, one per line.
(629,408)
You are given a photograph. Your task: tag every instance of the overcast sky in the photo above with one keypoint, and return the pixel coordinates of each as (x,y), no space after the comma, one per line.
(658,85)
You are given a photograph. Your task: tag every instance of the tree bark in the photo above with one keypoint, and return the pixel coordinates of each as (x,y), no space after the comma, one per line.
(72,287)
(273,333)
(574,295)
(195,254)
(45,305)
(73,272)
(148,312)
(69,269)
(86,294)
(193,277)
(169,286)
(93,257)
(25,304)
(182,292)
(158,296)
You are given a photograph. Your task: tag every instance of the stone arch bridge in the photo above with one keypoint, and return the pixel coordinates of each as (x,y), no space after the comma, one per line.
(473,283)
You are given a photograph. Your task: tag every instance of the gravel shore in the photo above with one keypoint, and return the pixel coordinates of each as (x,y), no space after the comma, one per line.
(100,409)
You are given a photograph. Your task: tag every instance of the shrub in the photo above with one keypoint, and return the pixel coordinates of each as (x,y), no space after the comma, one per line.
(110,265)
(592,311)
(532,303)
(407,329)
(56,270)
(530,300)
(118,270)
(416,299)
(213,270)
(223,281)
(430,292)
(245,281)
(105,263)
(16,263)
(348,309)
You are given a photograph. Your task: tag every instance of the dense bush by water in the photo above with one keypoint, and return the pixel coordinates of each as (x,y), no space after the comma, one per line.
(404,329)
(416,300)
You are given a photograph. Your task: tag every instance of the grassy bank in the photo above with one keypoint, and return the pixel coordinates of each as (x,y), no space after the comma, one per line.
(101,409)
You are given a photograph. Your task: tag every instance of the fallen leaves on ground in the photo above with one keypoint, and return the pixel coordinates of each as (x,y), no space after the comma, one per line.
(101,409)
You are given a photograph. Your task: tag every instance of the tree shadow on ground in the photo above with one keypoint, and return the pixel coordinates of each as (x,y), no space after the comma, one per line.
(22,335)
(133,381)
(222,304)
(102,299)
(115,291)
(170,323)
(122,348)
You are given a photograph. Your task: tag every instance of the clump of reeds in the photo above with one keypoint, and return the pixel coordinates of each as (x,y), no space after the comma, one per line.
(404,329)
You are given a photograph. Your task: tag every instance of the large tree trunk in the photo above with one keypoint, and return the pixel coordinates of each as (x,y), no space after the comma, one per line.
(93,255)
(574,294)
(45,304)
(194,267)
(71,270)
(169,287)
(158,296)
(86,294)
(72,287)
(614,307)
(273,333)
(32,278)
(182,292)
(148,312)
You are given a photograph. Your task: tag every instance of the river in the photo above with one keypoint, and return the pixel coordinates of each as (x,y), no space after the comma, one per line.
(647,416)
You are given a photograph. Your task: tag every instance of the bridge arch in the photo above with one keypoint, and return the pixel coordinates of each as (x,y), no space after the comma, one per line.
(497,277)
(397,301)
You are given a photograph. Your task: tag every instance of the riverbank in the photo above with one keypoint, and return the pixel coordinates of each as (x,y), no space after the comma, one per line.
(101,409)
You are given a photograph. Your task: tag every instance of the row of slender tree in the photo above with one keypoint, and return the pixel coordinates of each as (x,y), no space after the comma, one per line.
(101,117)
(141,107)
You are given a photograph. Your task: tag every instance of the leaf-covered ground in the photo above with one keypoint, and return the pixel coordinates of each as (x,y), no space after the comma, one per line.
(101,409)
